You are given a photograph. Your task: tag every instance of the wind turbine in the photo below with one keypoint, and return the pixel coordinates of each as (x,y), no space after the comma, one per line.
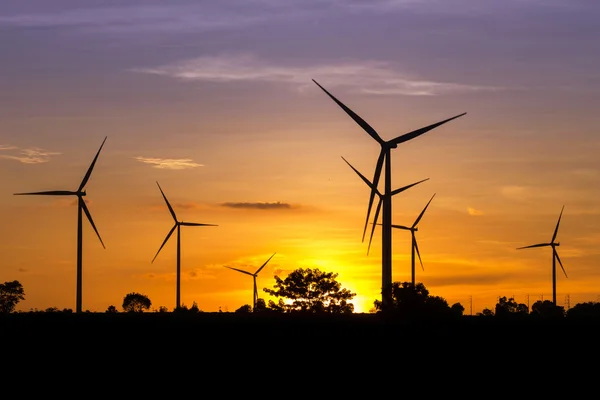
(394,192)
(253,275)
(414,247)
(178,225)
(384,155)
(555,256)
(80,192)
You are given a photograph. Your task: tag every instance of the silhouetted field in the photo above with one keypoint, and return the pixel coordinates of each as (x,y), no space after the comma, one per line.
(151,344)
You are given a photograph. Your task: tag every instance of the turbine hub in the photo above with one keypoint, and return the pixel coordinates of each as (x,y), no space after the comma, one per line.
(392,146)
(82,193)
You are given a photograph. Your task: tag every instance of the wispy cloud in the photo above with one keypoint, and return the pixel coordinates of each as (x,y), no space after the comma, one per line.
(473,211)
(169,163)
(26,155)
(371,77)
(259,206)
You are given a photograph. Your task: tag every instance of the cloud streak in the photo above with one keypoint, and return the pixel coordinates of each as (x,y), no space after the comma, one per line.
(27,155)
(368,77)
(259,206)
(169,163)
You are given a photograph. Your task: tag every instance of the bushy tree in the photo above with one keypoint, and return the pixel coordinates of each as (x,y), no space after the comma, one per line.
(458,309)
(486,312)
(245,309)
(111,309)
(194,309)
(588,309)
(11,293)
(136,302)
(547,309)
(311,290)
(509,307)
(415,302)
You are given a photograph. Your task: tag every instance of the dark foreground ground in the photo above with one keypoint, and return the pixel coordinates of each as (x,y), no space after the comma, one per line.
(285,349)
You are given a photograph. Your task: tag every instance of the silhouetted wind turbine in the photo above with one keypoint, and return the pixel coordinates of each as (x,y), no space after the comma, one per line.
(254,276)
(386,147)
(178,225)
(381,196)
(80,192)
(414,247)
(555,256)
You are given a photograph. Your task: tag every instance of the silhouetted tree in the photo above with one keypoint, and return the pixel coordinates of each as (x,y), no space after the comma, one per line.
(312,290)
(277,307)
(11,293)
(111,309)
(245,309)
(52,309)
(163,309)
(509,307)
(457,309)
(194,309)
(415,302)
(547,309)
(585,310)
(260,306)
(485,313)
(136,302)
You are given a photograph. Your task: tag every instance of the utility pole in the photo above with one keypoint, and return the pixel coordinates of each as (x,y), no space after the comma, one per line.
(471,305)
(568,301)
(528,308)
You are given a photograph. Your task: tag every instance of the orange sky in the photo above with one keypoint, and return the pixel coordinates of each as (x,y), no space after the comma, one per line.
(226,118)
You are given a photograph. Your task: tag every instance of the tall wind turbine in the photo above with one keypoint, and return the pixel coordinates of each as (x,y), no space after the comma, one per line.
(254,276)
(394,192)
(414,247)
(384,155)
(178,225)
(555,256)
(80,192)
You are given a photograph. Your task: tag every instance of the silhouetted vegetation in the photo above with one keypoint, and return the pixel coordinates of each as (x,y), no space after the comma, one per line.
(11,293)
(311,290)
(410,302)
(136,302)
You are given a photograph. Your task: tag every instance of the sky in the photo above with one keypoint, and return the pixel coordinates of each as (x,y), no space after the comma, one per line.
(215,102)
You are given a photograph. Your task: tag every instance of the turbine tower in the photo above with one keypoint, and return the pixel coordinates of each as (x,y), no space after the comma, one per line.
(384,155)
(81,206)
(178,225)
(254,276)
(555,256)
(381,196)
(414,246)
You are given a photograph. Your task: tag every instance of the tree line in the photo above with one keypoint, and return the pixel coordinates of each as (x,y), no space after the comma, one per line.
(318,292)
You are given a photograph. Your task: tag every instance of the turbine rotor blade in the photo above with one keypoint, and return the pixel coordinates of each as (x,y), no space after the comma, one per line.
(559,262)
(411,135)
(423,212)
(354,116)
(556,229)
(239,270)
(402,189)
(374,224)
(89,217)
(406,228)
(89,171)
(374,189)
(414,239)
(534,245)
(168,204)
(195,224)
(50,193)
(262,266)
(165,241)
(365,180)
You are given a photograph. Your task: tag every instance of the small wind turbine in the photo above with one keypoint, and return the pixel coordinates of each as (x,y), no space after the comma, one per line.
(254,276)
(394,192)
(414,247)
(555,256)
(178,225)
(80,192)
